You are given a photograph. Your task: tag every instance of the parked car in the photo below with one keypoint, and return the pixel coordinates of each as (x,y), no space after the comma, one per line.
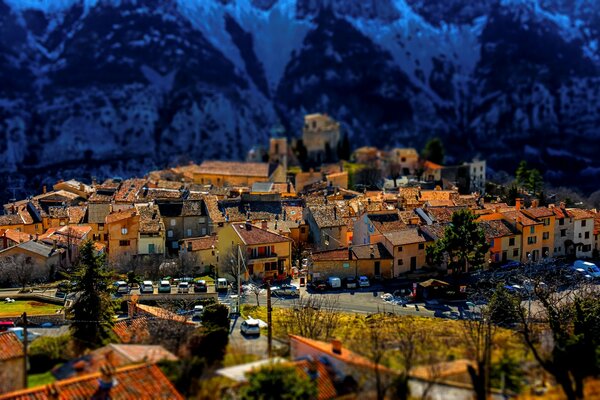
(333,282)
(5,325)
(122,287)
(285,290)
(222,285)
(250,327)
(350,282)
(198,311)
(200,286)
(147,287)
(164,287)
(183,287)
(317,285)
(363,281)
(589,268)
(20,332)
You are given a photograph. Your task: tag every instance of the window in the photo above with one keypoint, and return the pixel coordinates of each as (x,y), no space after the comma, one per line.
(174,245)
(532,230)
(545,235)
(173,222)
(511,241)
(170,233)
(150,248)
(271,266)
(563,232)
(203,231)
(123,243)
(579,235)
(400,261)
(587,235)
(123,231)
(106,237)
(546,221)
(189,232)
(531,240)
(303,230)
(62,223)
(403,159)
(492,243)
(587,247)
(583,222)
(399,249)
(202,220)
(421,246)
(96,237)
(561,221)
(189,246)
(100,227)
(516,253)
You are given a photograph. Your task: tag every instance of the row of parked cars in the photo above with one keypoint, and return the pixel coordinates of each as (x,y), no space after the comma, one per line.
(335,283)
(164,286)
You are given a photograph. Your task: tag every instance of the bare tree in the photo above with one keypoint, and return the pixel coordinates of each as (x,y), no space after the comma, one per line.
(314,317)
(19,268)
(479,334)
(562,330)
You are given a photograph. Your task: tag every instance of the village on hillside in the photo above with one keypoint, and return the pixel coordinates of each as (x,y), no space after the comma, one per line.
(327,239)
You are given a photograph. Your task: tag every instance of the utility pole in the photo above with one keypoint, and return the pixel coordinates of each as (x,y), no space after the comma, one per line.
(269,321)
(25,361)
(239,279)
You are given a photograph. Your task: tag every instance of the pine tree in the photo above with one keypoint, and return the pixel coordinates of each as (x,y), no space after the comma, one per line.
(434,151)
(93,309)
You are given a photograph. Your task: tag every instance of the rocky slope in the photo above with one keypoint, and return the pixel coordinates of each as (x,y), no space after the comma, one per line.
(107,87)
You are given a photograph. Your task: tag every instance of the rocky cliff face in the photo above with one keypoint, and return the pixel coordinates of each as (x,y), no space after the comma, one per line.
(107,87)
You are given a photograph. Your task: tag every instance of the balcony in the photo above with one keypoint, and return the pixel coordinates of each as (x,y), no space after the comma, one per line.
(262,258)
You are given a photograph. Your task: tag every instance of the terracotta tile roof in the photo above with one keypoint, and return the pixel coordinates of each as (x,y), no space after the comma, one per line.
(201,243)
(597,223)
(496,229)
(348,357)
(253,235)
(117,355)
(442,214)
(561,212)
(11,219)
(441,370)
(440,203)
(192,208)
(364,251)
(518,216)
(150,219)
(132,330)
(132,383)
(129,189)
(101,197)
(76,214)
(149,194)
(234,168)
(434,231)
(57,212)
(494,206)
(68,235)
(120,215)
(11,346)
(317,371)
(438,194)
(16,236)
(579,213)
(212,207)
(168,184)
(292,213)
(404,237)
(331,255)
(432,165)
(325,217)
(538,212)
(387,221)
(196,195)
(57,196)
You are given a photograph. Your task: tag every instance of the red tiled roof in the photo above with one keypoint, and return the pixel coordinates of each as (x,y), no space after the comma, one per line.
(129,190)
(325,386)
(252,235)
(16,236)
(405,236)
(129,383)
(10,346)
(538,212)
(117,216)
(518,216)
(432,165)
(233,168)
(133,330)
(331,255)
(579,213)
(201,243)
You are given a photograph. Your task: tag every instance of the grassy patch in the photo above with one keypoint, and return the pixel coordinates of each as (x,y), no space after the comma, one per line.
(45,378)
(30,307)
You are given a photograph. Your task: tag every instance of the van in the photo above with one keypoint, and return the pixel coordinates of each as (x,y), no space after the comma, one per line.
(334,282)
(222,285)
(589,268)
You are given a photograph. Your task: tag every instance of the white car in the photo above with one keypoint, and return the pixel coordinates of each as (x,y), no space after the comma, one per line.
(250,327)
(122,287)
(183,287)
(147,287)
(198,311)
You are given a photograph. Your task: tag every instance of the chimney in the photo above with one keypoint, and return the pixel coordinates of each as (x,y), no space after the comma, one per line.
(336,346)
(372,251)
(106,381)
(334,212)
(44,189)
(518,203)
(263,224)
(248,225)
(535,203)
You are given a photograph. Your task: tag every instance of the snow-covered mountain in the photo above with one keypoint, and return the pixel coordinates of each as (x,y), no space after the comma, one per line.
(117,87)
